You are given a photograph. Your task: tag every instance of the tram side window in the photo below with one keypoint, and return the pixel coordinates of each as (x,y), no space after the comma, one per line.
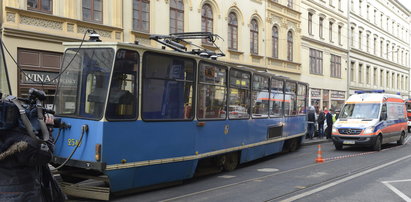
(302,99)
(290,104)
(122,101)
(239,95)
(212,91)
(260,96)
(168,83)
(276,98)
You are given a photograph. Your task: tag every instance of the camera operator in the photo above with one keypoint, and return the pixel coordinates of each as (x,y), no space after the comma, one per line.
(24,171)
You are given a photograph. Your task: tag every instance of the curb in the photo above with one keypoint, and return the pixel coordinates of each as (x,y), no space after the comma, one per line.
(315,142)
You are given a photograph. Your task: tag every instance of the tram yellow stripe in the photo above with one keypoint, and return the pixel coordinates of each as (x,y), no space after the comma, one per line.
(194,157)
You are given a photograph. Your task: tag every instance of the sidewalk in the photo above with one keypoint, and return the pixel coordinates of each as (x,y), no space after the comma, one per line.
(315,140)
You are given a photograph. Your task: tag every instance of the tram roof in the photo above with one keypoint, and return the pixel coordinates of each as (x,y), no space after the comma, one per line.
(142,46)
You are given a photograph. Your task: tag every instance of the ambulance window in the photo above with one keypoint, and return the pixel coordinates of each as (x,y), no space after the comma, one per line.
(384,111)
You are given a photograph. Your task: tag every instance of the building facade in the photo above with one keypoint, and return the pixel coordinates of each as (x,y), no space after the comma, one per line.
(379,46)
(324,51)
(262,34)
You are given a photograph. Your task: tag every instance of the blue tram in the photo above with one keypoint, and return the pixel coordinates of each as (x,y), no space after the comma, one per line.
(136,116)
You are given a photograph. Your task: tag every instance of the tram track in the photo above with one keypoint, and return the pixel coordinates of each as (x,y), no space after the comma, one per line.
(306,188)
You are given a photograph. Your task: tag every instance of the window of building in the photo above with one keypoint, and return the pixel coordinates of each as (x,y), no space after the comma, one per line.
(330,30)
(141,15)
(374,76)
(375,16)
(40,5)
(360,73)
(360,7)
(232,31)
(335,66)
(368,12)
(275,42)
(171,79)
(352,72)
(387,51)
(375,46)
(290,4)
(360,40)
(387,75)
(339,5)
(254,37)
(381,78)
(339,35)
(381,48)
(320,31)
(206,20)
(393,80)
(290,44)
(368,43)
(310,23)
(239,95)
(176,16)
(352,36)
(212,91)
(367,75)
(316,61)
(352,5)
(93,10)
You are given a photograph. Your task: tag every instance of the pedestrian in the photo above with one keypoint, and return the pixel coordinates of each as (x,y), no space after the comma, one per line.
(311,122)
(320,121)
(24,171)
(329,120)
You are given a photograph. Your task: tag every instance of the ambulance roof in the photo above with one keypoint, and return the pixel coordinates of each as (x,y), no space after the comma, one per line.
(373,98)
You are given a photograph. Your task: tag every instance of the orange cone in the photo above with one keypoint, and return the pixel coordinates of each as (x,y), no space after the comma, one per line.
(319,158)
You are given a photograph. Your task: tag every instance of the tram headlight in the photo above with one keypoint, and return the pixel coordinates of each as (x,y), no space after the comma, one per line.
(369,130)
(98,152)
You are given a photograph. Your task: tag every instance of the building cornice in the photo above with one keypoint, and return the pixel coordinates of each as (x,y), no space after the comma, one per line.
(389,63)
(324,44)
(40,36)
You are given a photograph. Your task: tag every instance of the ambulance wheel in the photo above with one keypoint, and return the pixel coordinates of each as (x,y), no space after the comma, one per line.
(402,139)
(377,145)
(338,146)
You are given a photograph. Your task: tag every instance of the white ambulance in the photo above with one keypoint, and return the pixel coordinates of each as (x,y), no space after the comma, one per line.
(371,118)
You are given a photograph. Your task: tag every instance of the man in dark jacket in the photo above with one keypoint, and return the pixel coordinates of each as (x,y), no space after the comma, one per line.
(24,171)
(320,121)
(311,122)
(329,119)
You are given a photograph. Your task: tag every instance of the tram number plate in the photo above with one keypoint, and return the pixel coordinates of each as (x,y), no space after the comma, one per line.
(349,142)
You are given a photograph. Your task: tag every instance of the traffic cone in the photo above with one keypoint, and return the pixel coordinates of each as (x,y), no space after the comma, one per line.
(319,158)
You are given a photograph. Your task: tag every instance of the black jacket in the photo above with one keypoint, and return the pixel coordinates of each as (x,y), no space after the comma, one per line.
(311,116)
(23,165)
(329,118)
(321,118)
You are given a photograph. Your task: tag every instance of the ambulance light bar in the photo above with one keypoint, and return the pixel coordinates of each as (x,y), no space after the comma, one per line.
(368,91)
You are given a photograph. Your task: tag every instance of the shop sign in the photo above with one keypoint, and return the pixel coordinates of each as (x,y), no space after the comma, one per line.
(38,77)
(337,95)
(315,92)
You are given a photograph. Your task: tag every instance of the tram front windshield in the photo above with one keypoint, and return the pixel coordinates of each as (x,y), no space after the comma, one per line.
(83,86)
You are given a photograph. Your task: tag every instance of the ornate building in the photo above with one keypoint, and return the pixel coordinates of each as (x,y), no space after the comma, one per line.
(325,51)
(379,33)
(263,34)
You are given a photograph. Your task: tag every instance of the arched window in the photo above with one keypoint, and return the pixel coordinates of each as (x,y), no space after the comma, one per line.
(232,31)
(275,42)
(206,20)
(176,16)
(290,46)
(254,37)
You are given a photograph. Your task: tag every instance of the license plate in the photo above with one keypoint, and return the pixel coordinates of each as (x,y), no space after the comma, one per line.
(349,142)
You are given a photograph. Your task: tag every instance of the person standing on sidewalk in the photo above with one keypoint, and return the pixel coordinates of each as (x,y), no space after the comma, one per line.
(329,120)
(311,122)
(320,121)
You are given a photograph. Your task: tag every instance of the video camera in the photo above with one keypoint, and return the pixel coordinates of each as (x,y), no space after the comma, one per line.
(12,110)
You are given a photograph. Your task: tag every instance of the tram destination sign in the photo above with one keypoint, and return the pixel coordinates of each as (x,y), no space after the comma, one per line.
(37,77)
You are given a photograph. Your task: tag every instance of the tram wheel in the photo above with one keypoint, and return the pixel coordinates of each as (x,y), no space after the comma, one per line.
(230,161)
(293,145)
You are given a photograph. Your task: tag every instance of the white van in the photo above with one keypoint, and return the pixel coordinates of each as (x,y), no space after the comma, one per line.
(371,119)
